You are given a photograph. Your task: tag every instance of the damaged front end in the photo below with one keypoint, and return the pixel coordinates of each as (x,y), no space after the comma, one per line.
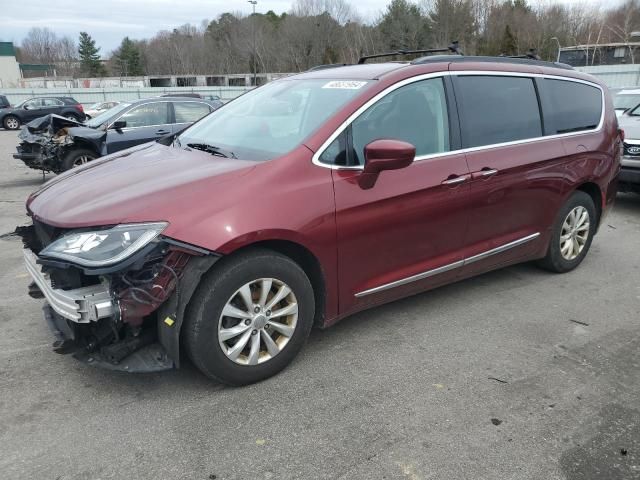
(115,297)
(46,140)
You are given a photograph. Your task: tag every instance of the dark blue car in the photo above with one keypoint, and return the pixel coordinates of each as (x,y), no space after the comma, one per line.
(57,144)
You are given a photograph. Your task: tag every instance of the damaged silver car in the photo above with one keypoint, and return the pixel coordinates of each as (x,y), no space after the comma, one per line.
(56,144)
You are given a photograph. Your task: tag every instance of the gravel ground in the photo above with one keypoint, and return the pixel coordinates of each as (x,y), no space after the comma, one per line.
(517,374)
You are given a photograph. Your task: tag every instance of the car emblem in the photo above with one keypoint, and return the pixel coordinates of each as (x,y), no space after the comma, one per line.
(633,150)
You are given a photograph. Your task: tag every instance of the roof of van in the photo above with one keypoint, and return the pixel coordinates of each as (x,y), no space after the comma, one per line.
(372,71)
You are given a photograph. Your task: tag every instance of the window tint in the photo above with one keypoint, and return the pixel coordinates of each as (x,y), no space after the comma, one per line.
(497,109)
(415,113)
(571,106)
(35,103)
(188,112)
(147,115)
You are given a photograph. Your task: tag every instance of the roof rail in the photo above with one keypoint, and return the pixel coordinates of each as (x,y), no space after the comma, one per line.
(531,54)
(453,48)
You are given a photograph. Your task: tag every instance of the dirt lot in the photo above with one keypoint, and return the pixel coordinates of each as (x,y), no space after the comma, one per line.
(516,374)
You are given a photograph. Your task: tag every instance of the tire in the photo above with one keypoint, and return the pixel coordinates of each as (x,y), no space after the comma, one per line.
(560,259)
(11,122)
(77,157)
(71,116)
(222,288)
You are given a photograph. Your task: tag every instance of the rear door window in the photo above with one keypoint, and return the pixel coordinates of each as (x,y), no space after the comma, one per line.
(189,112)
(570,106)
(497,109)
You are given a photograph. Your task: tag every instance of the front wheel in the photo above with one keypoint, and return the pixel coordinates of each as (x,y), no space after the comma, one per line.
(77,158)
(572,234)
(249,317)
(11,123)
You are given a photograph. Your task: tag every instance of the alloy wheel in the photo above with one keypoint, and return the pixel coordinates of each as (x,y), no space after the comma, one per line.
(12,123)
(575,233)
(258,321)
(81,160)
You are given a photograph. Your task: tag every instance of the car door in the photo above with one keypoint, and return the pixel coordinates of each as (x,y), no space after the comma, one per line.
(405,234)
(32,110)
(188,112)
(144,123)
(51,105)
(516,174)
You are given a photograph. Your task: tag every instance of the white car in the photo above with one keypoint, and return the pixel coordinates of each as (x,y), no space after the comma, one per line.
(98,108)
(625,100)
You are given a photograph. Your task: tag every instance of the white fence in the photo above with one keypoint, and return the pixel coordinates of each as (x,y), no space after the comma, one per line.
(88,96)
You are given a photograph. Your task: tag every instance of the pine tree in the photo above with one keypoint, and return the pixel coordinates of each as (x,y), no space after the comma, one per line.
(509,44)
(127,58)
(90,63)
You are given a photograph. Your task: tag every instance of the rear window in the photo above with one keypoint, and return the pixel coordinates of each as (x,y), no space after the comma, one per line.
(571,106)
(497,109)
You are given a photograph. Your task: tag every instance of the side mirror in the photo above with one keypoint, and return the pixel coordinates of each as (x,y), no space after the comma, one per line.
(119,124)
(385,154)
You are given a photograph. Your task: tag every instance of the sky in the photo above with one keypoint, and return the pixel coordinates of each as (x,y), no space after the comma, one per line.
(108,21)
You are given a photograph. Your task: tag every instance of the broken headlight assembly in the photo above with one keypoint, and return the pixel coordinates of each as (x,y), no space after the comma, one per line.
(100,248)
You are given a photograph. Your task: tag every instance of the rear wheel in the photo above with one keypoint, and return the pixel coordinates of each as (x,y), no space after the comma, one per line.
(572,234)
(11,122)
(249,317)
(71,116)
(77,158)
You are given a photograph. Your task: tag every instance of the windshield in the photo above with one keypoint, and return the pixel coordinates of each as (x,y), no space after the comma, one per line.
(273,119)
(105,116)
(624,101)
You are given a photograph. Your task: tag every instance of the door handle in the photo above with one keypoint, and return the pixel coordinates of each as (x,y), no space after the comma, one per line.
(162,132)
(484,173)
(455,180)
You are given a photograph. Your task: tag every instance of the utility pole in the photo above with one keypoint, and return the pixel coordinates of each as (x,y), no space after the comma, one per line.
(559,47)
(253,36)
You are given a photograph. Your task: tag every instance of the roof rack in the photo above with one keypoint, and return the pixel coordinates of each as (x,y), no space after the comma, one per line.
(328,65)
(453,48)
(531,54)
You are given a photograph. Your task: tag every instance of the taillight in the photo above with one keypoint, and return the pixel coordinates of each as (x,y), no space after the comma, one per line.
(79,107)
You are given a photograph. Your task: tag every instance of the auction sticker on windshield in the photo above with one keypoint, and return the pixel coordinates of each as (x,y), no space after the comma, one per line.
(346,84)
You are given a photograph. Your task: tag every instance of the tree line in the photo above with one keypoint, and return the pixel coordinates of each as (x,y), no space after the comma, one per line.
(318,32)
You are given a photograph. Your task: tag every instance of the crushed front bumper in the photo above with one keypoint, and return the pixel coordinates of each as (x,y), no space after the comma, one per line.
(81,305)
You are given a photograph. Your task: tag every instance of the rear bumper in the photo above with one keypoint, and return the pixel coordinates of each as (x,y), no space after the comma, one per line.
(82,305)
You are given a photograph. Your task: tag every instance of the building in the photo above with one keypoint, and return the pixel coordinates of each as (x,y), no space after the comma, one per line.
(600,54)
(616,64)
(9,68)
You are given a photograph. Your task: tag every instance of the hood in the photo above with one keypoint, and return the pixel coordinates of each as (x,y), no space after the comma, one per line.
(631,126)
(151,182)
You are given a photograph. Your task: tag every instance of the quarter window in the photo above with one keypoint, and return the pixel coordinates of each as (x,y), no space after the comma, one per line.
(189,112)
(571,106)
(497,109)
(147,115)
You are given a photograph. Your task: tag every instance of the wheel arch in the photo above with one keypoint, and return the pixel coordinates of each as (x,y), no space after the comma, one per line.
(593,190)
(306,260)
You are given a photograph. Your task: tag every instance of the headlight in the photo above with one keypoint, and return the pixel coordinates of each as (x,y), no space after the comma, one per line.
(103,247)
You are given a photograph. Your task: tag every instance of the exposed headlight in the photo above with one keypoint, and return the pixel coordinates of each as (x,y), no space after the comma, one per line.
(103,247)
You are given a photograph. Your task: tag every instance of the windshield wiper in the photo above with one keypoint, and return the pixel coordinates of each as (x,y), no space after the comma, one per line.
(212,149)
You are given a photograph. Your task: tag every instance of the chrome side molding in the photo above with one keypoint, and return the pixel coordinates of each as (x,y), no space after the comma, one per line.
(450,266)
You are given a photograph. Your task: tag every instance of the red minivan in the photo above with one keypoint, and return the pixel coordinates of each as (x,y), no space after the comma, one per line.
(314,197)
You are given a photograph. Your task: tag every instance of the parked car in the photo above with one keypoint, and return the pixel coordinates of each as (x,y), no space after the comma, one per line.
(98,108)
(630,164)
(213,98)
(4,102)
(55,145)
(625,100)
(13,118)
(315,197)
